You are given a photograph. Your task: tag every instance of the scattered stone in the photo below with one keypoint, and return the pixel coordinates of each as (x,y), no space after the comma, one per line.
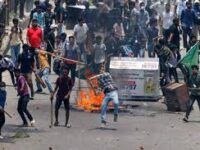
(141,148)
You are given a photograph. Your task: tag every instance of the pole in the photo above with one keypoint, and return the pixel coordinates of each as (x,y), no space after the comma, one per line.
(6,113)
(79,82)
(51,113)
(61,58)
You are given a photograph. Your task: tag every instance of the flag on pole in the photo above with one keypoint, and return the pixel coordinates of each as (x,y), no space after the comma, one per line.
(191,58)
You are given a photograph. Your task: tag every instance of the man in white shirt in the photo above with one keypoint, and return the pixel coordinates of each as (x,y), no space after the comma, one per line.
(166,21)
(159,6)
(80,34)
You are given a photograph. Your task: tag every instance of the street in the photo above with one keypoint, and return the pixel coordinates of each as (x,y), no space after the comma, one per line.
(141,126)
(147,126)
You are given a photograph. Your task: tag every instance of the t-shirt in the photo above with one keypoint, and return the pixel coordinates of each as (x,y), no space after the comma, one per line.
(20,82)
(99,56)
(35,37)
(15,39)
(71,52)
(167,19)
(81,32)
(40,18)
(119,30)
(26,61)
(43,61)
(65,84)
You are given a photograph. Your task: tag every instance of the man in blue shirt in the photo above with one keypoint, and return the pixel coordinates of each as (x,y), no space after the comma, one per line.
(2,104)
(187,21)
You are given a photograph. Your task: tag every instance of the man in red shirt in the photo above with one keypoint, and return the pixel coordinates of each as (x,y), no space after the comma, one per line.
(34,37)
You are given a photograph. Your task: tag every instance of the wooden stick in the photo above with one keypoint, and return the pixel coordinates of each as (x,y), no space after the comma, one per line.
(6,113)
(51,114)
(61,58)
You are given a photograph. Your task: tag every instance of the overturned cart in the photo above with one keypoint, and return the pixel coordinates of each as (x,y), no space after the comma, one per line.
(136,78)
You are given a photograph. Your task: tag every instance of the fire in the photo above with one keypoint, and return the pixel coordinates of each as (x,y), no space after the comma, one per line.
(90,101)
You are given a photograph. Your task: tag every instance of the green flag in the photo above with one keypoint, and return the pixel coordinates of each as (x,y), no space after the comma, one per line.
(191,57)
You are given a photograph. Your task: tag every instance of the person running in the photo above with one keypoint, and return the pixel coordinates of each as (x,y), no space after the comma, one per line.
(64,85)
(26,64)
(110,90)
(194,84)
(43,71)
(3,95)
(23,93)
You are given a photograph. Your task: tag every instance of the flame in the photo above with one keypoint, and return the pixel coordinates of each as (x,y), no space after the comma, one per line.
(89,101)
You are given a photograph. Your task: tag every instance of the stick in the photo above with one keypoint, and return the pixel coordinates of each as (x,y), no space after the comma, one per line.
(51,112)
(6,113)
(61,58)
(39,80)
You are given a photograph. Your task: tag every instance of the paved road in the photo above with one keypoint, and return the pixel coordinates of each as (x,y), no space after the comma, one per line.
(149,125)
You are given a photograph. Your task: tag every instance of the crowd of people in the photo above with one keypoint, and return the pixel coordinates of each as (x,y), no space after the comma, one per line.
(123,28)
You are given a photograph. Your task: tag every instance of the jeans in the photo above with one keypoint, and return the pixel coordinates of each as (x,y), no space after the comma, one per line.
(82,51)
(22,108)
(15,50)
(191,102)
(44,74)
(108,97)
